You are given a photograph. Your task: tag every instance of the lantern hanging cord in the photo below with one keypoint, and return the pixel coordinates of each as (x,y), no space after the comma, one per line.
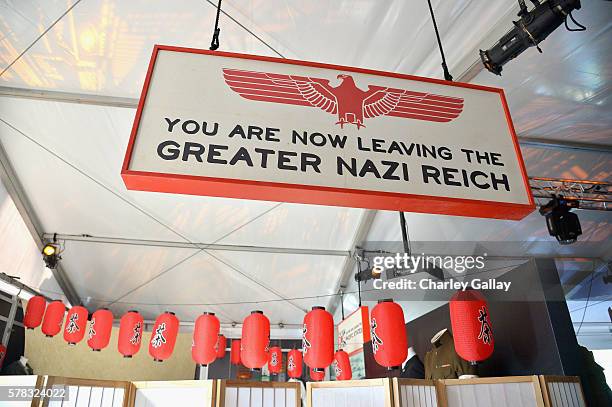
(214,44)
(447,74)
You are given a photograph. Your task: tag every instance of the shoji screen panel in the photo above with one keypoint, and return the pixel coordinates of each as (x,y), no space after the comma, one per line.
(350,393)
(510,391)
(414,393)
(562,391)
(173,393)
(20,382)
(233,393)
(88,393)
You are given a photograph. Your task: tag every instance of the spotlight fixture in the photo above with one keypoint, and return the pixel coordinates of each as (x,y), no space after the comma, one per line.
(532,28)
(368,274)
(51,253)
(561,223)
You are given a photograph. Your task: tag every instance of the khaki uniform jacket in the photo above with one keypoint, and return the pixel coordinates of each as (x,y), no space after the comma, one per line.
(442,362)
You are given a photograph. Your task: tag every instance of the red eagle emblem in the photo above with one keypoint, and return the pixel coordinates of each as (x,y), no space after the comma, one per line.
(351,104)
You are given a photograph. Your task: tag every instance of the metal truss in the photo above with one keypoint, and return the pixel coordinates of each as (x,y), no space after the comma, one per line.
(591,195)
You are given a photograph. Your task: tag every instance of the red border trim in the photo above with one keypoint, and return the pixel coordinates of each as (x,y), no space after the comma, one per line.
(309,194)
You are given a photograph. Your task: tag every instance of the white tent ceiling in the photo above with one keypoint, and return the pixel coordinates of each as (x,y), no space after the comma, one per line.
(67,156)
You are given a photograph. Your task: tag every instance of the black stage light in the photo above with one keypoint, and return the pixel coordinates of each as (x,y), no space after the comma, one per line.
(51,255)
(561,223)
(532,28)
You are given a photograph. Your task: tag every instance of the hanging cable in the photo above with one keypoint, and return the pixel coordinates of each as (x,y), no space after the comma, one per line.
(568,28)
(214,44)
(447,74)
(342,303)
(405,237)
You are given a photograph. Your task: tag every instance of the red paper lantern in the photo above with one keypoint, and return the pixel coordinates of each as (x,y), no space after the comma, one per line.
(294,363)
(76,322)
(163,336)
(100,329)
(220,346)
(235,352)
(35,310)
(275,360)
(255,340)
(130,334)
(318,338)
(2,354)
(472,332)
(342,366)
(54,316)
(317,375)
(389,338)
(205,337)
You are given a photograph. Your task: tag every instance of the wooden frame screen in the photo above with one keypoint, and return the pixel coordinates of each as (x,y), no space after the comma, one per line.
(111,393)
(168,389)
(235,393)
(562,391)
(508,391)
(415,393)
(350,393)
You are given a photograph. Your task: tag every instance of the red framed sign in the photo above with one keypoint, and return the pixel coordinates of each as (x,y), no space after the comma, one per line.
(251,127)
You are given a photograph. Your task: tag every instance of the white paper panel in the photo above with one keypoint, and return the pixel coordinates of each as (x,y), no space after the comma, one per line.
(231,397)
(244,397)
(348,397)
(565,394)
(268,397)
(418,396)
(491,395)
(171,396)
(95,397)
(108,395)
(73,394)
(118,397)
(83,396)
(259,397)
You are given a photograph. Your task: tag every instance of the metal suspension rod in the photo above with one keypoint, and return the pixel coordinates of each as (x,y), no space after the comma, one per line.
(447,74)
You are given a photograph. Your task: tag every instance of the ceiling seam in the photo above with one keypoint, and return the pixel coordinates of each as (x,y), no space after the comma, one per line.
(200,250)
(196,246)
(39,37)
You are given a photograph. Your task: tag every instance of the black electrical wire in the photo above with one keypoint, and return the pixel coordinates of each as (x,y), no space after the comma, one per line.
(405,235)
(214,44)
(447,74)
(247,30)
(592,304)
(567,27)
(587,302)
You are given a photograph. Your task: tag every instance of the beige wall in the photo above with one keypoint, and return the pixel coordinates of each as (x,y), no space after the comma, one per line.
(53,356)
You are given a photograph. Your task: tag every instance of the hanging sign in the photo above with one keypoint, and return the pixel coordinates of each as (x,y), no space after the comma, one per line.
(353,333)
(251,127)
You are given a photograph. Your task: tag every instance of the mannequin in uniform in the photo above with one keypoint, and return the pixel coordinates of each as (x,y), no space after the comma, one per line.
(413,367)
(442,362)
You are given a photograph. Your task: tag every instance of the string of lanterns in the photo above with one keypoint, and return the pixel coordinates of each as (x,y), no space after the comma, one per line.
(469,313)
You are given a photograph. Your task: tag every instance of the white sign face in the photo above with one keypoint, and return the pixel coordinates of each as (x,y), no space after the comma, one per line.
(218,124)
(351,334)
